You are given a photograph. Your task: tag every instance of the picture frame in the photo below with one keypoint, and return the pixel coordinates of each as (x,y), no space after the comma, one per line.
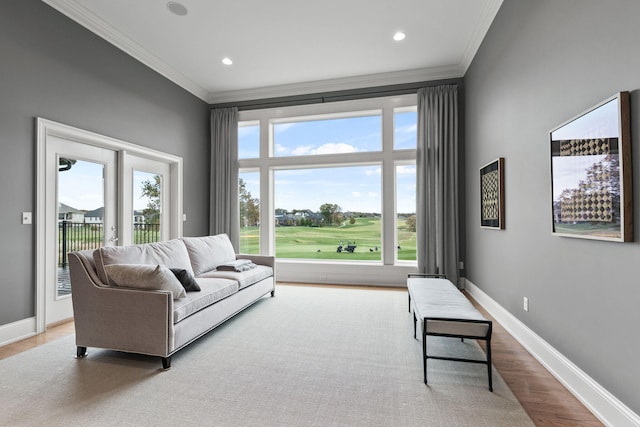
(591,173)
(492,195)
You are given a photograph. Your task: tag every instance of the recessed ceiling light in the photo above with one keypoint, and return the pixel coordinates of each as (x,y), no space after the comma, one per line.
(177,8)
(227,61)
(399,36)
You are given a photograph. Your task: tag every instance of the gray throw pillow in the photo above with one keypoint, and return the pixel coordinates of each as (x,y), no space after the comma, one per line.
(143,276)
(186,279)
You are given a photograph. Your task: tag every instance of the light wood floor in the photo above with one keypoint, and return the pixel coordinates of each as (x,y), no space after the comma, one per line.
(546,401)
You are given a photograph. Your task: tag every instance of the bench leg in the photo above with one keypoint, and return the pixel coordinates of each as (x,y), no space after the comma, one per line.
(489,364)
(424,353)
(414,325)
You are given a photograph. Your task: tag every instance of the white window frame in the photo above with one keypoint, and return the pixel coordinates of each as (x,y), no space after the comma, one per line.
(389,271)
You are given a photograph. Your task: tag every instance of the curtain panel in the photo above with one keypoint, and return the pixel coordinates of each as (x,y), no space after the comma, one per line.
(223,204)
(437,179)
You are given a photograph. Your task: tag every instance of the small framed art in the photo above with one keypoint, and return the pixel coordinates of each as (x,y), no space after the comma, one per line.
(492,194)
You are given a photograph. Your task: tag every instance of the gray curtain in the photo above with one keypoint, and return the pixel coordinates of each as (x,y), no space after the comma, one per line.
(223,204)
(437,224)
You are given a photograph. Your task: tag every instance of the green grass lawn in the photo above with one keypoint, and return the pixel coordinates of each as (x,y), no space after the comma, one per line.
(322,242)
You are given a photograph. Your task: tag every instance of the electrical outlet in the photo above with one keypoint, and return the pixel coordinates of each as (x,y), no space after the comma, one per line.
(461,265)
(525,304)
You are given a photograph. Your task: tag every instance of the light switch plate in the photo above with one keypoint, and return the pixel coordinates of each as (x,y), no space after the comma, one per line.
(26,218)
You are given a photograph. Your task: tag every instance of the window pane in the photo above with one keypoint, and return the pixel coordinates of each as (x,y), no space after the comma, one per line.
(146,207)
(329,213)
(248,140)
(249,195)
(329,136)
(406,212)
(405,130)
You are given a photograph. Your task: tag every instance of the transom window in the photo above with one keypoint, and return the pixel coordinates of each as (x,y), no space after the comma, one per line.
(331,182)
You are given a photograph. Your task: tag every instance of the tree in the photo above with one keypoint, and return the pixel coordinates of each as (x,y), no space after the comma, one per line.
(331,213)
(411,223)
(249,206)
(151,190)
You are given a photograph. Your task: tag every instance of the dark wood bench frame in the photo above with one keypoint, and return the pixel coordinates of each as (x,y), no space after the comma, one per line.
(425,320)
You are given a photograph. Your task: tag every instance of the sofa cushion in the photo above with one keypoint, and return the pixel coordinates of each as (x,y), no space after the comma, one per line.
(244,278)
(142,276)
(186,279)
(172,254)
(207,253)
(212,291)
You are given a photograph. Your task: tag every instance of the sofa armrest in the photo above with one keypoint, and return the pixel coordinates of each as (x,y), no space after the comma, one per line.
(132,320)
(259,259)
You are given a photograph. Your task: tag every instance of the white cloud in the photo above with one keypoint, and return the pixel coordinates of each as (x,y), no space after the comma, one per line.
(355,194)
(406,170)
(374,171)
(302,150)
(334,148)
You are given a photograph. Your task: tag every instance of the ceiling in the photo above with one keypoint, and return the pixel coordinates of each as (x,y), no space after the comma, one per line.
(290,47)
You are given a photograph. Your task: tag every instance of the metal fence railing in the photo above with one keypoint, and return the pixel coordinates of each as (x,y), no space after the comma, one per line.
(74,236)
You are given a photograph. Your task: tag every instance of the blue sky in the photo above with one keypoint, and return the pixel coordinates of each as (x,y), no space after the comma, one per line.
(82,187)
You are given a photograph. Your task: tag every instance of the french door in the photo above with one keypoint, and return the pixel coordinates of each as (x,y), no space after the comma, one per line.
(95,191)
(81,211)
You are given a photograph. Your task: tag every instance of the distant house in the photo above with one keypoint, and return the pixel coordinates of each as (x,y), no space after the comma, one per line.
(67,213)
(139,219)
(95,216)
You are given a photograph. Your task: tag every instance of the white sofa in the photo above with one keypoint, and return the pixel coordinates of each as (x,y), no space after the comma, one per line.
(131,299)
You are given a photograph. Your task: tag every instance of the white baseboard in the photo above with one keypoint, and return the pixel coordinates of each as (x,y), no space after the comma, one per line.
(17,331)
(597,399)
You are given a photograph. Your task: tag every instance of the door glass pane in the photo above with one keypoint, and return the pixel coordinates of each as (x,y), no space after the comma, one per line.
(147,213)
(406,212)
(329,213)
(80,212)
(249,195)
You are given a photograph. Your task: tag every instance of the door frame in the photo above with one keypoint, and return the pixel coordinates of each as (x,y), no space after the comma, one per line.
(46,128)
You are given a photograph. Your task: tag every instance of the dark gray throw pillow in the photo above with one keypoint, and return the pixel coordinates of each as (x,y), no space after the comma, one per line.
(186,279)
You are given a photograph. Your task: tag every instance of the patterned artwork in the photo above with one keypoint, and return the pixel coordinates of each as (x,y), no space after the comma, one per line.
(591,185)
(492,195)
(585,147)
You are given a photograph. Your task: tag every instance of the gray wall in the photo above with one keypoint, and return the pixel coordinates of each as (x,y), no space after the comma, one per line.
(542,63)
(53,68)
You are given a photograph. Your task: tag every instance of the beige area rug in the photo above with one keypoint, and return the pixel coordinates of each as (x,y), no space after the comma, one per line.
(309,357)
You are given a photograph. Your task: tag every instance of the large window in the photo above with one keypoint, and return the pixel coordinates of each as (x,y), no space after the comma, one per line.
(331,182)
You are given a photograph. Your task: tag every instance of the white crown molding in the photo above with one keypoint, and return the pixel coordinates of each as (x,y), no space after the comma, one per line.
(604,405)
(93,23)
(478,34)
(320,86)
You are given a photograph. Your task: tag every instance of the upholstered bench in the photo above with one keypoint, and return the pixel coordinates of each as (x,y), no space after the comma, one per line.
(444,311)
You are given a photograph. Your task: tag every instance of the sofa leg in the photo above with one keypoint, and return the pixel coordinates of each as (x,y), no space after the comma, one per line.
(81,352)
(166,363)
(273,293)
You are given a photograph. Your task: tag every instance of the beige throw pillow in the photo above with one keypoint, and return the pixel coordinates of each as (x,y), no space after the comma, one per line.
(142,276)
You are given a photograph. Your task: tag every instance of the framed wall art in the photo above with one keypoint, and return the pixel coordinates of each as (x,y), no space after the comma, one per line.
(492,194)
(591,173)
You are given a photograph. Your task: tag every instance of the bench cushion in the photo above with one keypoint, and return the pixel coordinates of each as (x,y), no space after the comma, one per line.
(439,298)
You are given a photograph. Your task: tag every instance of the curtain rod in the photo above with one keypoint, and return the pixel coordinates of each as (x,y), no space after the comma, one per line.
(335,96)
